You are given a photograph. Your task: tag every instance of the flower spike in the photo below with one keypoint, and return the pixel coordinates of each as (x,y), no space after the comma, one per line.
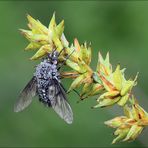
(108,85)
(130,125)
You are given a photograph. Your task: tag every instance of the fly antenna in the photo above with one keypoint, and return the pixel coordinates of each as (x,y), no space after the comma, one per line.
(67,57)
(61,52)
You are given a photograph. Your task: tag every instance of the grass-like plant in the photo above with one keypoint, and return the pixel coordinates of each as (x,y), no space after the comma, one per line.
(109,85)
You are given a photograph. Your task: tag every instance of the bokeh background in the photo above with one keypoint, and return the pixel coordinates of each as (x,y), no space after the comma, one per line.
(118,27)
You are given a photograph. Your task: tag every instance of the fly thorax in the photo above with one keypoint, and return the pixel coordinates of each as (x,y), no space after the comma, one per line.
(43,71)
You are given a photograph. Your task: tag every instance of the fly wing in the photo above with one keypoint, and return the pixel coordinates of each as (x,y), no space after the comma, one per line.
(59,102)
(25,97)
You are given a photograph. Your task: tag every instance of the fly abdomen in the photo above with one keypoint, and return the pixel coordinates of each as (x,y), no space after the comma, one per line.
(43,73)
(43,96)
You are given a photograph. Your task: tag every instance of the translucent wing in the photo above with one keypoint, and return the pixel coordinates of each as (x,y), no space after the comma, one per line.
(59,103)
(25,98)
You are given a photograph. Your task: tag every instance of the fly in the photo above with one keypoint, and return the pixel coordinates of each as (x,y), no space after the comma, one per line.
(46,83)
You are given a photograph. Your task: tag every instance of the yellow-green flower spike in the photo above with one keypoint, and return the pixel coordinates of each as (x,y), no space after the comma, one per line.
(130,125)
(110,86)
(39,35)
(114,82)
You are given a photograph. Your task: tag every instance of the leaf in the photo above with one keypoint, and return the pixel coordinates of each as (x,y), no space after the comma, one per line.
(106,102)
(131,133)
(37,26)
(60,28)
(127,111)
(77,45)
(106,83)
(86,89)
(64,40)
(97,78)
(52,23)
(57,42)
(73,65)
(77,82)
(117,78)
(42,52)
(33,45)
(121,134)
(127,87)
(104,66)
(37,38)
(89,54)
(111,94)
(96,89)
(123,100)
(137,132)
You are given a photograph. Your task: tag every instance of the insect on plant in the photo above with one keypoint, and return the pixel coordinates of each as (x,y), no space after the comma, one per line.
(109,85)
(46,83)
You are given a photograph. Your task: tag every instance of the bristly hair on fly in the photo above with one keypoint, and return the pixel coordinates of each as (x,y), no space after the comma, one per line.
(46,83)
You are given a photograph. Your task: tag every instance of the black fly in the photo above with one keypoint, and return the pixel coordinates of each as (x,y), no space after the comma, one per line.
(47,85)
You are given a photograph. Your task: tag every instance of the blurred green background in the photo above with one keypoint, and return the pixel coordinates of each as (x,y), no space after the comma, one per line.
(118,27)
